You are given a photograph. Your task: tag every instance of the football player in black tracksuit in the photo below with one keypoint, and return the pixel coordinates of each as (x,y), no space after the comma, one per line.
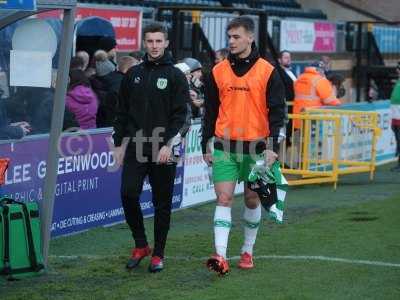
(153,106)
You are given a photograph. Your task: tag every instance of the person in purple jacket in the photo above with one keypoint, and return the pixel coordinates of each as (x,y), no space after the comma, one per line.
(81,100)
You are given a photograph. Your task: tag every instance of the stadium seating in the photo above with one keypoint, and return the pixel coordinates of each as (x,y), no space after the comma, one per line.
(279,8)
(155,3)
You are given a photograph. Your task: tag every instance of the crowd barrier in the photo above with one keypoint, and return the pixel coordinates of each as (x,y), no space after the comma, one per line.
(359,136)
(386,143)
(333,142)
(311,153)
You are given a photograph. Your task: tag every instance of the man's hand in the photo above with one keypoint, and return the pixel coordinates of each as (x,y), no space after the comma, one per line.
(164,155)
(26,128)
(193,95)
(208,158)
(198,103)
(119,154)
(270,157)
(282,135)
(195,99)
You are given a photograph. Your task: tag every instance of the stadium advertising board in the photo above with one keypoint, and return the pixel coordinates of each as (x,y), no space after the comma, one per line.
(197,187)
(88,184)
(126,21)
(127,24)
(308,36)
(386,144)
(27,5)
(387,38)
(355,141)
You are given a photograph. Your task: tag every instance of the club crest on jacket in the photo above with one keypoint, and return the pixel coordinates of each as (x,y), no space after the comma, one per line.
(162,83)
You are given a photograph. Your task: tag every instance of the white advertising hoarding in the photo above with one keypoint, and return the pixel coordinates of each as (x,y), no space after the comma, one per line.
(308,36)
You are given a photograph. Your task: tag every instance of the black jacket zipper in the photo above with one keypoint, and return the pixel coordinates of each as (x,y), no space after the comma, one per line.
(147,134)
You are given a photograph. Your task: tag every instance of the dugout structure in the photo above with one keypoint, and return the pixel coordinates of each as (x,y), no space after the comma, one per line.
(8,17)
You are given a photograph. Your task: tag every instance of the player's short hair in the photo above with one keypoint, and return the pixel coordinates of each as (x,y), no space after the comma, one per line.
(283,52)
(155,27)
(242,21)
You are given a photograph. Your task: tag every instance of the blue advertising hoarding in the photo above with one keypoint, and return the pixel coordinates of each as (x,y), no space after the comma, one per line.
(387,38)
(28,5)
(87,191)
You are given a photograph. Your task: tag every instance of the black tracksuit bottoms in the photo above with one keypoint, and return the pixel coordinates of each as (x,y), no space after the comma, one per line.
(161,178)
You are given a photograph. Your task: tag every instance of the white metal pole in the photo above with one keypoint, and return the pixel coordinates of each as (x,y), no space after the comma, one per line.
(57,119)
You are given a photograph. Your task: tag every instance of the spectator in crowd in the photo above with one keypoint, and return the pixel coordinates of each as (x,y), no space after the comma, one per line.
(373,91)
(288,78)
(89,70)
(285,61)
(337,84)
(77,63)
(189,116)
(313,90)
(196,87)
(84,56)
(32,104)
(221,54)
(106,85)
(395,113)
(138,56)
(151,111)
(16,104)
(185,70)
(81,100)
(106,72)
(9,130)
(195,71)
(125,63)
(104,65)
(335,78)
(39,107)
(327,65)
(108,44)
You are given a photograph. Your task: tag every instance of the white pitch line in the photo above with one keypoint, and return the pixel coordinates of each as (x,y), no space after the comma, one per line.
(266,257)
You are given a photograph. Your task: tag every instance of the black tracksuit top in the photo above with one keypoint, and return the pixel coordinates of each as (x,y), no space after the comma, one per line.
(152,94)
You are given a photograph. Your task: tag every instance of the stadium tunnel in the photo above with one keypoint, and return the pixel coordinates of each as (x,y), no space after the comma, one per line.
(89,31)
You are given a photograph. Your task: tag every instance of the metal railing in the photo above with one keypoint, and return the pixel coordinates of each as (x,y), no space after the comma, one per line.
(330,143)
(178,15)
(311,155)
(359,135)
(377,49)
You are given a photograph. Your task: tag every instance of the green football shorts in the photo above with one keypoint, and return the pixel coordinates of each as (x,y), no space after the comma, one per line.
(229,166)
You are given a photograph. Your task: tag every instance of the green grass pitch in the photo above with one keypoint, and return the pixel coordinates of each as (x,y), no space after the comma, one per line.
(359,222)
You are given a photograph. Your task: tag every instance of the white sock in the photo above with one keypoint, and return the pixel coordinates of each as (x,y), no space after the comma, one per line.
(252,219)
(222,225)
